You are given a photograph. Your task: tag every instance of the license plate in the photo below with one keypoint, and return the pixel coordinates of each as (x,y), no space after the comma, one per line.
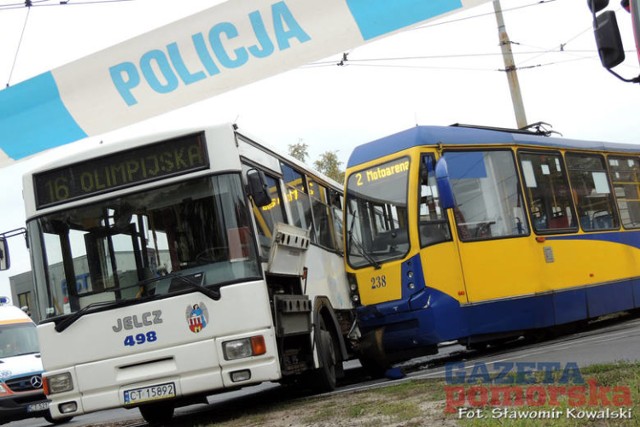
(37,407)
(146,394)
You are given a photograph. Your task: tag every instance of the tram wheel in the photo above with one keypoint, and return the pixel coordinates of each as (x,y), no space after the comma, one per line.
(373,367)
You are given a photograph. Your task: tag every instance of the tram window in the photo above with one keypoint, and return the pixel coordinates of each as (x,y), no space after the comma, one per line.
(592,193)
(625,176)
(433,224)
(267,216)
(487,193)
(548,194)
(297,195)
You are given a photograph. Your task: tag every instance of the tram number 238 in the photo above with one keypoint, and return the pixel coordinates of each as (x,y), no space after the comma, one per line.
(378,282)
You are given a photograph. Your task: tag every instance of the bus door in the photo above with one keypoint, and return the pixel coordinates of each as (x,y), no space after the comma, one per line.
(491,230)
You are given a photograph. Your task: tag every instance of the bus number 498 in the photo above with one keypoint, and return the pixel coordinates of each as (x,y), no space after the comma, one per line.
(130,340)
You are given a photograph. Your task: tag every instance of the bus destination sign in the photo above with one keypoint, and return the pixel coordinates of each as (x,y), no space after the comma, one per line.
(120,170)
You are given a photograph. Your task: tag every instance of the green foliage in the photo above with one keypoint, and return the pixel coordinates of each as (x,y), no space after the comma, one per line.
(328,162)
(329,165)
(300,151)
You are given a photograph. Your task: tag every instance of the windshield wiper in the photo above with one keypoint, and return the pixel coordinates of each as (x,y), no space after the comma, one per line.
(26,353)
(71,319)
(358,245)
(194,282)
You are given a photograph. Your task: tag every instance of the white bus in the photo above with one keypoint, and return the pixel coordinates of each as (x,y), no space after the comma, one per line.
(183,264)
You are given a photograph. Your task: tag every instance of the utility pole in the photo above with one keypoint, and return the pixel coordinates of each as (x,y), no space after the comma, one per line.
(510,68)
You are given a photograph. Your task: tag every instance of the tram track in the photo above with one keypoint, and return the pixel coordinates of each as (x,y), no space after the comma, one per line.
(356,379)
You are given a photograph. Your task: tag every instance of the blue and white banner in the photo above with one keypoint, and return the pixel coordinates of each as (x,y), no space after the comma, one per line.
(219,49)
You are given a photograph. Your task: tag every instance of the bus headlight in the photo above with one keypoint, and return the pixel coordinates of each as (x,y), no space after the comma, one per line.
(57,383)
(245,347)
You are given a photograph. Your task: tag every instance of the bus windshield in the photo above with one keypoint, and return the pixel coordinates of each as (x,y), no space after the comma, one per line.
(18,339)
(143,245)
(377,214)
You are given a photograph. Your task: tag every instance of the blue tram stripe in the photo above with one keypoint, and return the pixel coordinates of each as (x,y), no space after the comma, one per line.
(446,320)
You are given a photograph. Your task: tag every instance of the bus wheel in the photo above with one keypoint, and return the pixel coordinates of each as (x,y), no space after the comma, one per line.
(156,413)
(325,375)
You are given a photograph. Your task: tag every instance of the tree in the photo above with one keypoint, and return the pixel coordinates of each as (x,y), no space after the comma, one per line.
(328,162)
(329,165)
(300,151)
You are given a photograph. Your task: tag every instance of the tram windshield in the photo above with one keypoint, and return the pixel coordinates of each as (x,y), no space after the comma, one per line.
(377,214)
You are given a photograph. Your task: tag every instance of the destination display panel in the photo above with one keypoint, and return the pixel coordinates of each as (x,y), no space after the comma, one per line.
(120,170)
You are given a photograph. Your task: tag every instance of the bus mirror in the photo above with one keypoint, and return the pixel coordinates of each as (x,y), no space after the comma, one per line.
(257,188)
(608,39)
(445,191)
(597,5)
(4,254)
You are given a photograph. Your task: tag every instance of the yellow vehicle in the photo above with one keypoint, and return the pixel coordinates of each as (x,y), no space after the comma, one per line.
(484,234)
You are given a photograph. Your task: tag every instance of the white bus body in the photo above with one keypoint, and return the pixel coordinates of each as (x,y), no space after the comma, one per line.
(185,283)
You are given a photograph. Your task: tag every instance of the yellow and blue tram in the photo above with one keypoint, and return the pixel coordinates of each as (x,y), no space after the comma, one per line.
(484,234)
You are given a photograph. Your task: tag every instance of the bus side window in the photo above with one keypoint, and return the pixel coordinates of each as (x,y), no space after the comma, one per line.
(433,224)
(323,225)
(592,193)
(336,201)
(625,176)
(298,197)
(268,216)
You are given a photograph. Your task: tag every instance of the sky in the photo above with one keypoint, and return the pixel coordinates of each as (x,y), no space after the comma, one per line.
(448,71)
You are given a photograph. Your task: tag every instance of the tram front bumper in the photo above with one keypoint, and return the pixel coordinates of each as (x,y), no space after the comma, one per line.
(395,337)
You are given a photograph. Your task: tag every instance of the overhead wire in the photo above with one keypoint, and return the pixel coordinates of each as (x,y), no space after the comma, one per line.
(450,21)
(15,57)
(38,3)
(347,61)
(27,4)
(50,3)
(537,52)
(82,3)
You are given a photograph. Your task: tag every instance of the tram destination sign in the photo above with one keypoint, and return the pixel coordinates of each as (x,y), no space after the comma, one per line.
(120,170)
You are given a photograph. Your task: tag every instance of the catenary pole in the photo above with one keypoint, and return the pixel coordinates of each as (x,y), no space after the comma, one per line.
(510,68)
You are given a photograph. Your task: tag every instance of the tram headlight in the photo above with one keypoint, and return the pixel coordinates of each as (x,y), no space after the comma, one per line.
(353,288)
(57,383)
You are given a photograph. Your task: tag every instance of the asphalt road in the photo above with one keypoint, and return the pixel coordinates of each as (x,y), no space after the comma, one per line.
(603,342)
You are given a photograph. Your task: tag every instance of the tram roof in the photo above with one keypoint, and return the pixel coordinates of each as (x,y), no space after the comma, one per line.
(465,135)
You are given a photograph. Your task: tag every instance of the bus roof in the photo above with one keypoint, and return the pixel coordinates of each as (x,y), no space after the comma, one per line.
(459,135)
